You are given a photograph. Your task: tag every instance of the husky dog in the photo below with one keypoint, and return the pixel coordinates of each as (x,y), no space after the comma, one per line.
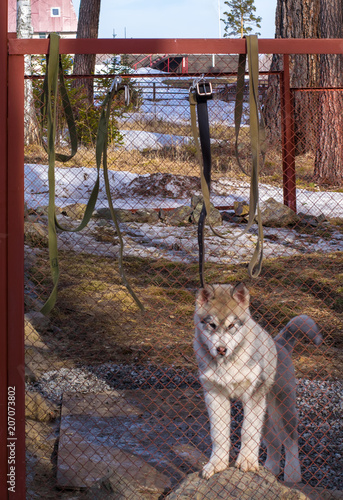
(237,359)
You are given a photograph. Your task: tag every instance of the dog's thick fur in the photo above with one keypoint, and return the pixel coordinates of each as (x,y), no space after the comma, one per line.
(237,359)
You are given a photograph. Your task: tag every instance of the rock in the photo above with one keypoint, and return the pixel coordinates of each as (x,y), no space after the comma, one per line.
(321,218)
(230,216)
(215,218)
(39,409)
(106,234)
(232,484)
(149,216)
(275,214)
(30,376)
(32,337)
(118,486)
(196,199)
(311,220)
(241,208)
(37,320)
(178,216)
(75,211)
(30,257)
(36,234)
(307,220)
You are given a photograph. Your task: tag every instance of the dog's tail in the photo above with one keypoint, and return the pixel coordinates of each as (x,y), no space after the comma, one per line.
(299,326)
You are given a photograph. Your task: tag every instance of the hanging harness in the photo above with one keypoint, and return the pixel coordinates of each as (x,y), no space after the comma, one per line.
(53,77)
(200,93)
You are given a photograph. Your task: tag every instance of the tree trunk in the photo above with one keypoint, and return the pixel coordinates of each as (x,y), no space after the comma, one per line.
(329,155)
(24,30)
(88,27)
(295,19)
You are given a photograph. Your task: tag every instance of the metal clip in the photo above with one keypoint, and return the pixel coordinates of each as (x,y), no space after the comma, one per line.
(127,94)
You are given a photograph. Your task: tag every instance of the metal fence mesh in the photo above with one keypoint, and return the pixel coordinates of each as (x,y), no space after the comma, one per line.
(112,389)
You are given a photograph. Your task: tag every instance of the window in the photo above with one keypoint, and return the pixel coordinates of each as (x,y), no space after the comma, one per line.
(42,35)
(55,12)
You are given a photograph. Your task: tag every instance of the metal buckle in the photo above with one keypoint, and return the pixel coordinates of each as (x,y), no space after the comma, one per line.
(204,89)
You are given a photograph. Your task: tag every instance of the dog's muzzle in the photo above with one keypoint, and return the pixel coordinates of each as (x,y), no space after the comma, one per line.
(221,351)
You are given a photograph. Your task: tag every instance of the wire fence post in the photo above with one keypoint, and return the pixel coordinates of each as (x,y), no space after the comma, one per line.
(288,150)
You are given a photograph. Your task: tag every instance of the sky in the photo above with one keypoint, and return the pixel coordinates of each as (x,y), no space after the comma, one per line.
(173,18)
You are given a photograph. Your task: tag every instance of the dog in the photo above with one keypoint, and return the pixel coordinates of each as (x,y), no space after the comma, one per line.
(239,360)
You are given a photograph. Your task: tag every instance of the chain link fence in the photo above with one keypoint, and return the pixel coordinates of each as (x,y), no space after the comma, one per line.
(113,404)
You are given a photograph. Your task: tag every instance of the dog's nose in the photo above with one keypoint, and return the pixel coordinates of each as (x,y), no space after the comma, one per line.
(221,351)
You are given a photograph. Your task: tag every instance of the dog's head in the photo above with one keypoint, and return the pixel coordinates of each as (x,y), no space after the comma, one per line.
(220,314)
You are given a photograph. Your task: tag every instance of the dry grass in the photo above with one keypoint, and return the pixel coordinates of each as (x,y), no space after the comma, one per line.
(98,321)
(183,160)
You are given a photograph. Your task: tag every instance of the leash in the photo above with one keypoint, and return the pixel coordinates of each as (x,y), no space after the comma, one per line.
(200,92)
(53,77)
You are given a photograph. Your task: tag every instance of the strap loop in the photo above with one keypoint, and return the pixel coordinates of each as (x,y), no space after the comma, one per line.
(204,155)
(49,111)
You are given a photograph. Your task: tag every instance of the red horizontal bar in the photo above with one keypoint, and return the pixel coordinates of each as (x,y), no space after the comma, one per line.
(178,46)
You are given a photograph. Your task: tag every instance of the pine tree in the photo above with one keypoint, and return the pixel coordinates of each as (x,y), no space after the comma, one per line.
(241,18)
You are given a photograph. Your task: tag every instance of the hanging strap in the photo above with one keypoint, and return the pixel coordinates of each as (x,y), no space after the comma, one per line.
(199,94)
(49,98)
(101,151)
(199,103)
(255,264)
(53,71)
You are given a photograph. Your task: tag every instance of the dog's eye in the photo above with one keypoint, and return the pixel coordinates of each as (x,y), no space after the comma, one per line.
(213,325)
(231,325)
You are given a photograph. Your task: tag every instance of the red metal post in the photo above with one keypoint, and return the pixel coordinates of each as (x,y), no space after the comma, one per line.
(15,214)
(288,149)
(3,250)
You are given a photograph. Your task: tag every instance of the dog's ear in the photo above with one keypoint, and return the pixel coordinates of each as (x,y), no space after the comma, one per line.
(241,294)
(204,295)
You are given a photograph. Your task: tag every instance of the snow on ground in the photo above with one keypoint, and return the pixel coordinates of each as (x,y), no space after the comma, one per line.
(73,185)
(159,240)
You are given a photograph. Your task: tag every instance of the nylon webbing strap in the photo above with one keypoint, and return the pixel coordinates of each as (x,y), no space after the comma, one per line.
(255,264)
(204,158)
(49,110)
(101,151)
(54,72)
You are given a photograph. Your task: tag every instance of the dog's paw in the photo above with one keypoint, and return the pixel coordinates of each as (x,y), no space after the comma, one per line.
(208,471)
(211,468)
(247,463)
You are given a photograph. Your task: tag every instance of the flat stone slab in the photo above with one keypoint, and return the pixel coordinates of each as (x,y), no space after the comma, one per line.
(152,438)
(137,434)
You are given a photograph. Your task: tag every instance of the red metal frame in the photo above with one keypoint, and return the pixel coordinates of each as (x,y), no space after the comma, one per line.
(3,252)
(288,149)
(15,273)
(12,184)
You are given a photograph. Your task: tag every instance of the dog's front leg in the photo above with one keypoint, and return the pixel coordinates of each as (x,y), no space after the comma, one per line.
(219,409)
(251,434)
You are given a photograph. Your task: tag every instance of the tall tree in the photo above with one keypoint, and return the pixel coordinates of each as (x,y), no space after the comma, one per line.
(25,30)
(295,19)
(241,19)
(88,27)
(329,155)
